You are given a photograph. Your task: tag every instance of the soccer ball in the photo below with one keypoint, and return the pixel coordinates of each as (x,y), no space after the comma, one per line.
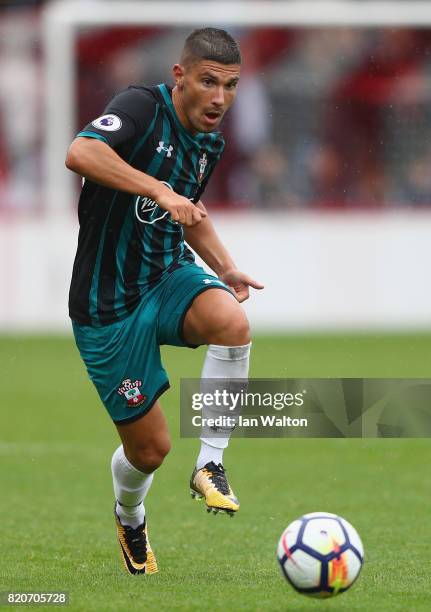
(320,554)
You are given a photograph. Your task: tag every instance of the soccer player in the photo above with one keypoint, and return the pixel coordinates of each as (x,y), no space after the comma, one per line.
(135,285)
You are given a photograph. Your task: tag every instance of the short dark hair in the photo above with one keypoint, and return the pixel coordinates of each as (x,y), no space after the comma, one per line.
(211,44)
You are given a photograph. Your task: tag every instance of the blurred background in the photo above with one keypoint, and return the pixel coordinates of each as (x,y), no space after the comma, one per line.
(324,195)
(324,190)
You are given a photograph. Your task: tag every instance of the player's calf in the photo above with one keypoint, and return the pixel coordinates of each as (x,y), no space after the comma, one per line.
(228,364)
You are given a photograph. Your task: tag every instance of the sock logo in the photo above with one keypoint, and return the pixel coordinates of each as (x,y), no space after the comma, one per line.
(132,392)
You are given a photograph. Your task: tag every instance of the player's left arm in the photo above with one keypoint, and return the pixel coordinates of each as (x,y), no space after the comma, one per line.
(204,240)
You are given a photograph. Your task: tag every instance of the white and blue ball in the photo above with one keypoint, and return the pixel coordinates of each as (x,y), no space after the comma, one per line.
(320,554)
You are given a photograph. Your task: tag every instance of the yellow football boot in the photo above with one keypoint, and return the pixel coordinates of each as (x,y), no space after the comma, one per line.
(136,551)
(210,483)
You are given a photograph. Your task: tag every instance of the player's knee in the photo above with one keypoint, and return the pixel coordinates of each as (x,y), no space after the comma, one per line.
(231,329)
(148,459)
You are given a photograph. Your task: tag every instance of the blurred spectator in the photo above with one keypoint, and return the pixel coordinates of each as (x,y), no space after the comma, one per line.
(20,110)
(355,121)
(108,60)
(415,182)
(300,83)
(264,182)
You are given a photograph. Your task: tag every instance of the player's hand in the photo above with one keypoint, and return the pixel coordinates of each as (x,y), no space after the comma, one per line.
(240,283)
(180,208)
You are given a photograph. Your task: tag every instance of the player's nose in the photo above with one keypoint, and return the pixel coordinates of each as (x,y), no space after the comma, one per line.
(218,98)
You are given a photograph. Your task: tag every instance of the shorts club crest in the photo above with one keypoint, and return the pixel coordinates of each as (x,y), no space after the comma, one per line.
(132,392)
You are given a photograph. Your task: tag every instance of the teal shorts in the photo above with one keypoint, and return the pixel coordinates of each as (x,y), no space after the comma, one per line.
(123,359)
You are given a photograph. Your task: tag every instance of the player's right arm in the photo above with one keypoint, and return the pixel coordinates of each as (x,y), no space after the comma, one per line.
(93,154)
(98,162)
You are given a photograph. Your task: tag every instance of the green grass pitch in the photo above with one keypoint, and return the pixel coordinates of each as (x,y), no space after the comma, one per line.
(57,531)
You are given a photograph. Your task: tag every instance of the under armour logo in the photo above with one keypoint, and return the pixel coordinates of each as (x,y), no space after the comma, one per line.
(168,150)
(207,281)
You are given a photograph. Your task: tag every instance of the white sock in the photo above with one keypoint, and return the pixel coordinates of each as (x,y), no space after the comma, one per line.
(130,487)
(228,362)
(209,453)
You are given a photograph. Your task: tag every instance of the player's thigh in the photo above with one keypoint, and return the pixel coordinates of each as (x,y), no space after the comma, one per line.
(123,361)
(146,441)
(215,317)
(180,291)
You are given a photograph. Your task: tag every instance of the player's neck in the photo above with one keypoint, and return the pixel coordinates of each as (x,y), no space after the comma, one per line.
(178,106)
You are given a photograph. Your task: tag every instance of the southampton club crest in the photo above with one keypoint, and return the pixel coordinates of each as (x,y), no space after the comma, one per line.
(202,167)
(132,392)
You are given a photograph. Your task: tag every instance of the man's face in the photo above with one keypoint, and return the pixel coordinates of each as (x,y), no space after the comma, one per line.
(206,91)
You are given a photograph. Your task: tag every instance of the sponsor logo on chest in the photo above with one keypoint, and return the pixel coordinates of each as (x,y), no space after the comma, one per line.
(147,211)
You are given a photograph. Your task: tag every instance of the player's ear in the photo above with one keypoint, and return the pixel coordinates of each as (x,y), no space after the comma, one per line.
(178,72)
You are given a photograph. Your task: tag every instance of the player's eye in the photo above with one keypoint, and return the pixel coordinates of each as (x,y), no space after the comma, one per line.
(207,82)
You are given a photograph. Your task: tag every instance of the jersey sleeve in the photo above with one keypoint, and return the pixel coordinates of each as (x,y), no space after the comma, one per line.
(127,116)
